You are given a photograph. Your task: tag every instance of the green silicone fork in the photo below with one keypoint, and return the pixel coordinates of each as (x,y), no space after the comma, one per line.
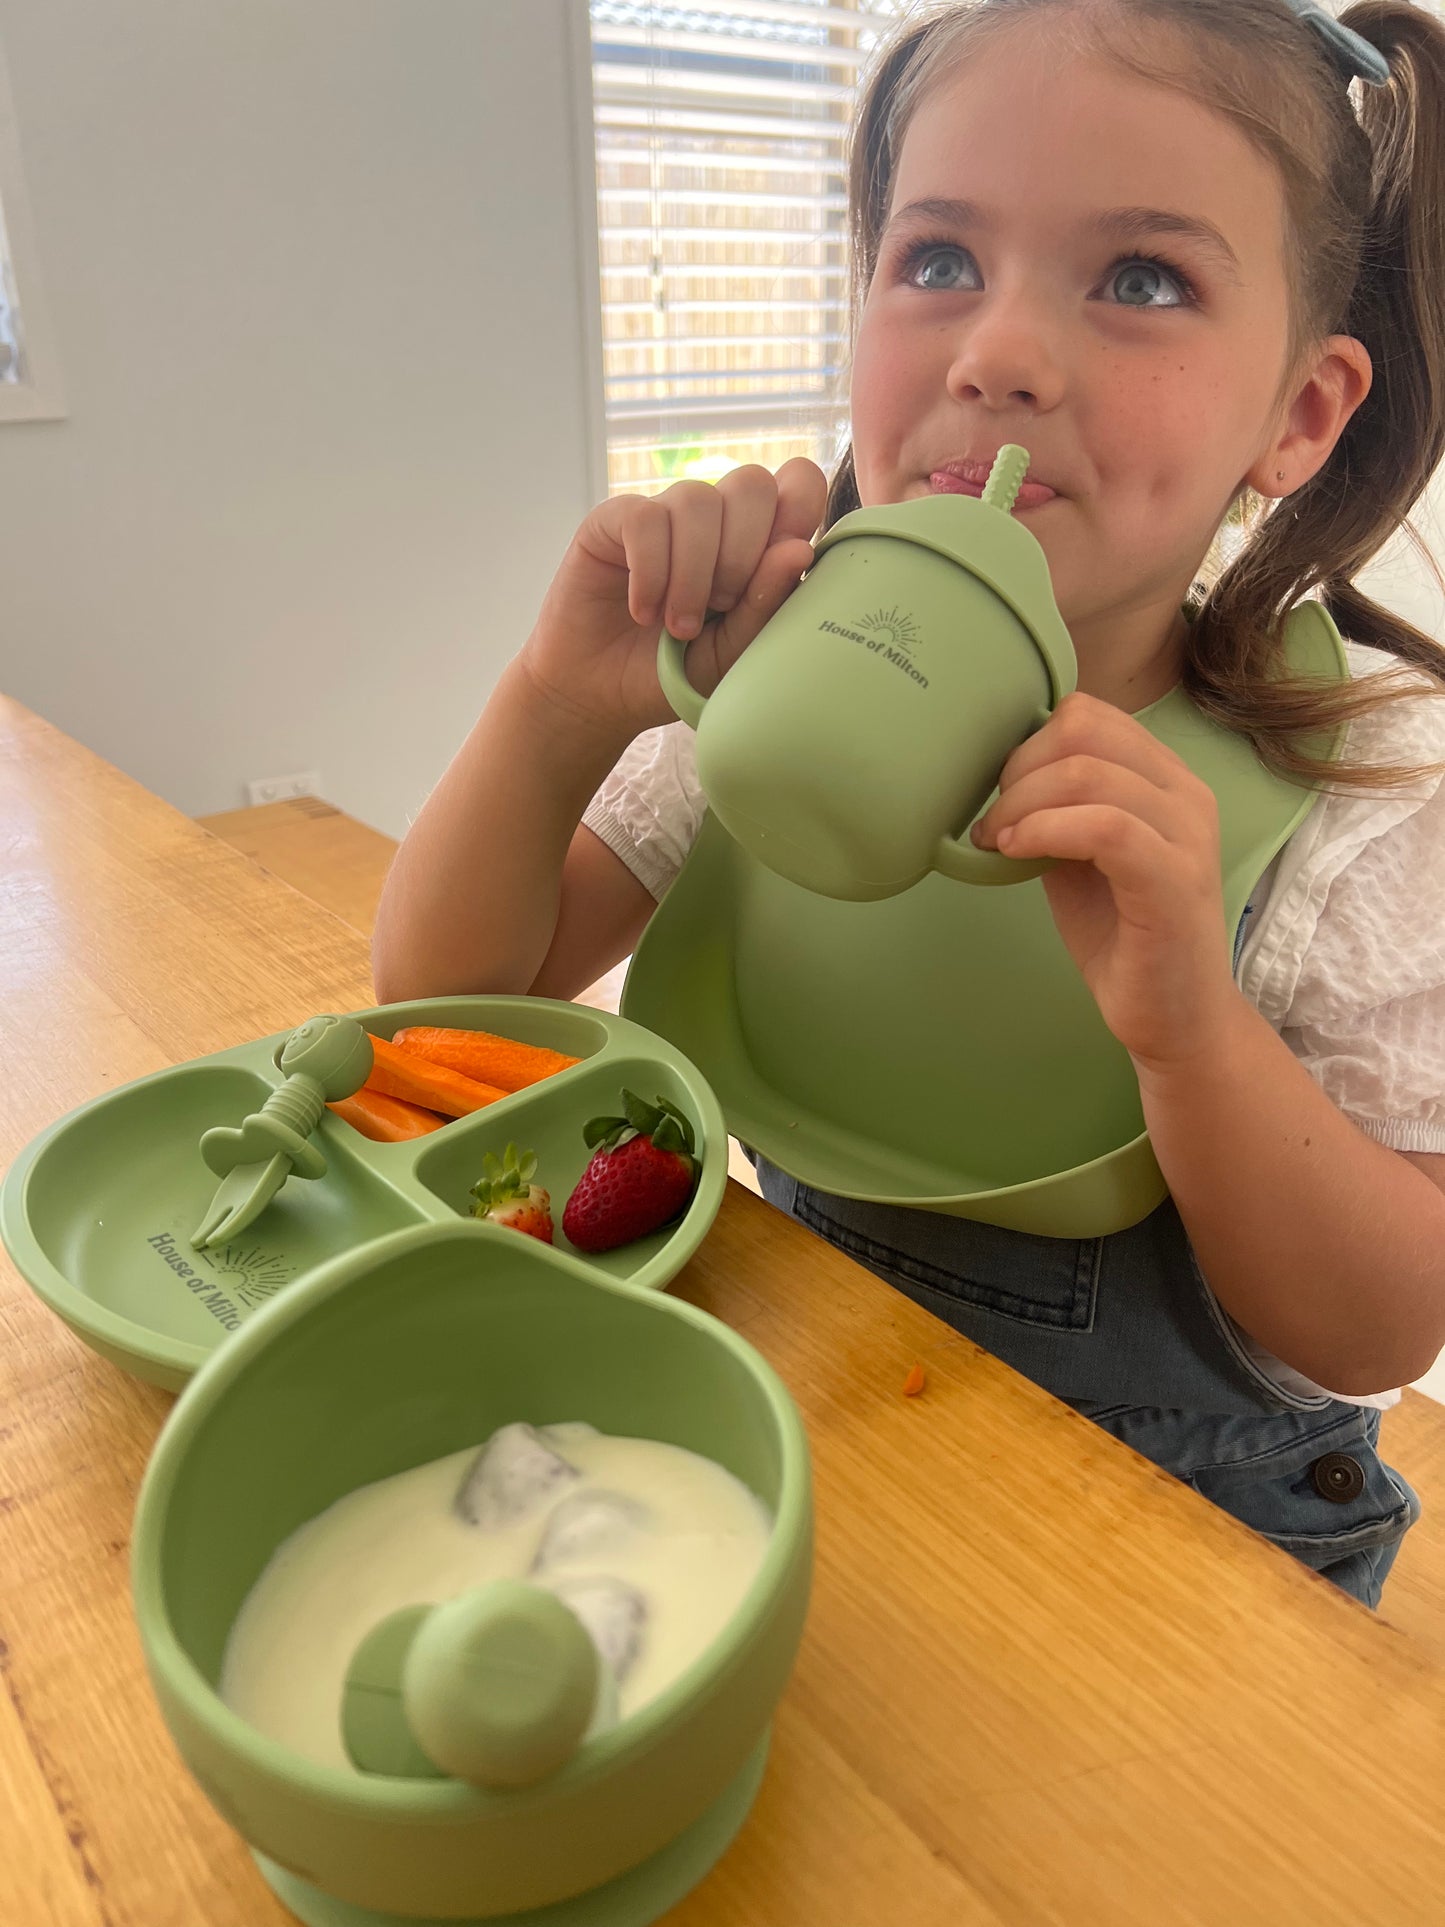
(326,1059)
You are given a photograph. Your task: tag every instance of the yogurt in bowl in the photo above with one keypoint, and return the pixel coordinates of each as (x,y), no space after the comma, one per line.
(653,1547)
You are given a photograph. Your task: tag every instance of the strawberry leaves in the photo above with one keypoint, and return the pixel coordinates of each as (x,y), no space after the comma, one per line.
(503,1179)
(662,1122)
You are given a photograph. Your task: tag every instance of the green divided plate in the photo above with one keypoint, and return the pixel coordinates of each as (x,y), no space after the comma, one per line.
(98,1211)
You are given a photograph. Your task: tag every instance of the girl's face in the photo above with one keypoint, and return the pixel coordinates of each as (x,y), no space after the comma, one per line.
(1092,266)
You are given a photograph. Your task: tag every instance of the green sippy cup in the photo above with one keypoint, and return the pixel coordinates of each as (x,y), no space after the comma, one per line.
(863,730)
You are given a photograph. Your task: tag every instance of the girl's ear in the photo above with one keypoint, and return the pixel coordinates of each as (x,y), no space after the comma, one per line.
(1327,391)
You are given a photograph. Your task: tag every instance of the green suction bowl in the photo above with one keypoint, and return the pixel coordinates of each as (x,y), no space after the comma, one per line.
(419,1344)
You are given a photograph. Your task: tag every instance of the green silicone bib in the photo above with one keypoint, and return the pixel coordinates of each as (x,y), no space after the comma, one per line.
(939,1048)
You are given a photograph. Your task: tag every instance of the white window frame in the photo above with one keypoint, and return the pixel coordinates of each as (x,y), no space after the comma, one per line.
(39,396)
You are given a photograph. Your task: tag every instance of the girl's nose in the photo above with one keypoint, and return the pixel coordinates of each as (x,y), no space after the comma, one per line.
(1004,357)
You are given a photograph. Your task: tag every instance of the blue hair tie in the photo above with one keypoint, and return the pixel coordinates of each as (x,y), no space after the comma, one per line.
(1351,53)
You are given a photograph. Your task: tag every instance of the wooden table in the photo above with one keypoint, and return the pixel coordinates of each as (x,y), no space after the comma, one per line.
(1042,1681)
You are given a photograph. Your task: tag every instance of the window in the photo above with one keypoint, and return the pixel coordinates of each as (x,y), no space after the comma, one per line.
(29,377)
(11,358)
(721,132)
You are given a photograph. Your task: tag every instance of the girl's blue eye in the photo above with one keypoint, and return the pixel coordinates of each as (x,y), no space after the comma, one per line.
(1148,284)
(944,268)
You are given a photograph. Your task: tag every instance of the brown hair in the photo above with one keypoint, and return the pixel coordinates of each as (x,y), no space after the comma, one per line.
(1364,190)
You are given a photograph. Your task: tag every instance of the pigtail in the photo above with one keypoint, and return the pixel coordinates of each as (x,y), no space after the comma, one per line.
(1395,443)
(1320,537)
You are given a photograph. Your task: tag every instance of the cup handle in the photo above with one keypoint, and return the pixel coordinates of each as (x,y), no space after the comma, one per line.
(962,860)
(958,858)
(672,674)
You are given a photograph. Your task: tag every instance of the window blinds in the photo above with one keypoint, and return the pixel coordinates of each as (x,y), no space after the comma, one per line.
(721,132)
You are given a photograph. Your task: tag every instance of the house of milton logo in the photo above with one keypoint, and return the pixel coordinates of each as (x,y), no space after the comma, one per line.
(240,1276)
(889,633)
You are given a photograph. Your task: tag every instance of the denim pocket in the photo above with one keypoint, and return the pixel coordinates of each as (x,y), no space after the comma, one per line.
(940,1260)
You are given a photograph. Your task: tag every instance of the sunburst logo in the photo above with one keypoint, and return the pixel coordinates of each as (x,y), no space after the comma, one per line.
(891,626)
(251,1274)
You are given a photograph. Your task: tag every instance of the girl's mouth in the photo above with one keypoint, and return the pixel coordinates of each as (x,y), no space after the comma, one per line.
(968,478)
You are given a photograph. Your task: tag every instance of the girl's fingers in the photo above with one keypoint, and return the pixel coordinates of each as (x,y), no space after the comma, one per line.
(1087,726)
(749,498)
(773,581)
(643,532)
(720,536)
(697,547)
(695,511)
(799,496)
(759,510)
(1143,869)
(1079,781)
(802,499)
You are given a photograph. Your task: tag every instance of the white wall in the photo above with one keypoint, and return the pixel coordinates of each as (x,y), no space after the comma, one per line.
(312,269)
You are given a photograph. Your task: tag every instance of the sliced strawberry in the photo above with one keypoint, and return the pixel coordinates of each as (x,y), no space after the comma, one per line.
(640,1178)
(506,1194)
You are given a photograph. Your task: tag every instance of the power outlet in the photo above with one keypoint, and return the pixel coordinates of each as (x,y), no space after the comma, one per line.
(277,789)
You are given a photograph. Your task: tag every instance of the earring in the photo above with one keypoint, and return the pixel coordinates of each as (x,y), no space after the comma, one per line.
(1279,475)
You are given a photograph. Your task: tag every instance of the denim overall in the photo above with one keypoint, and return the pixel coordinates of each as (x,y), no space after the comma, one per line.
(1124,1329)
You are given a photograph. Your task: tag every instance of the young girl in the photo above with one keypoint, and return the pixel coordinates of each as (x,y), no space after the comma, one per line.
(1190,254)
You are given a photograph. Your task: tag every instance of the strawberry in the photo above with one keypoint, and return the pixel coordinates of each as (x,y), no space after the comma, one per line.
(640,1177)
(507,1195)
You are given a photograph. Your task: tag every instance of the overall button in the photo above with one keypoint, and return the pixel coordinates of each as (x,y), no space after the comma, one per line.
(1338,1477)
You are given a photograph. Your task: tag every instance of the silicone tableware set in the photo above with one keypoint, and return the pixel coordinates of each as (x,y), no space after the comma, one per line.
(345,1318)
(868,1025)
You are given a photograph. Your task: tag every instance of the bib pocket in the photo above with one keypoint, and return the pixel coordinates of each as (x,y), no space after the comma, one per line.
(940,1261)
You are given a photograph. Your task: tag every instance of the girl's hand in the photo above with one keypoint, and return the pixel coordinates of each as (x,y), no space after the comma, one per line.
(737,549)
(1137,896)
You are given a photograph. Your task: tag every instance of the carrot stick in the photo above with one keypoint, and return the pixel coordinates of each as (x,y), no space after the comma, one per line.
(386,1120)
(398,1073)
(500,1061)
(915,1382)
